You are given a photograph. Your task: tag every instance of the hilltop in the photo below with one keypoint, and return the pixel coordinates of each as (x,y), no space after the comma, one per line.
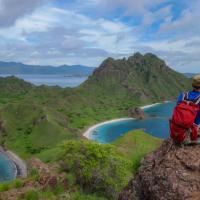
(20,68)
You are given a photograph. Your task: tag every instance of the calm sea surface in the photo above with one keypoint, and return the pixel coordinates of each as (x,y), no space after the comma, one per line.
(156,126)
(51,80)
(7,169)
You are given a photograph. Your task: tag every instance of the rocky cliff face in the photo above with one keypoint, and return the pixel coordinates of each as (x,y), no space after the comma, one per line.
(170,173)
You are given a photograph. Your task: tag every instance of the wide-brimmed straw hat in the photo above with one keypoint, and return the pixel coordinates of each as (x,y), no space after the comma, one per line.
(196,81)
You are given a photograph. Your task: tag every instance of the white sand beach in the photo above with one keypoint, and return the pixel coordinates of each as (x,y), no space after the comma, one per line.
(87,133)
(21,168)
(150,105)
(20,164)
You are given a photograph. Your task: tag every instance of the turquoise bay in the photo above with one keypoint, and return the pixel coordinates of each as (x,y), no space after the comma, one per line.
(157,124)
(7,169)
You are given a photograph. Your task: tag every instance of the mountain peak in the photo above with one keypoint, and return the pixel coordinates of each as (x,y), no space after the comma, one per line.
(136,55)
(140,76)
(108,61)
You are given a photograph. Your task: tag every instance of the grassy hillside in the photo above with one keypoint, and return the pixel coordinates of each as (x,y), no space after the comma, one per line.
(33,120)
(135,145)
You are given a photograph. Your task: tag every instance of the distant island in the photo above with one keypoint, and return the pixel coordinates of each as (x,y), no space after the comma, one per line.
(14,68)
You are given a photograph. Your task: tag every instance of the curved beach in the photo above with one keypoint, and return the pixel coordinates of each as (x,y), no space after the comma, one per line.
(21,168)
(150,105)
(89,131)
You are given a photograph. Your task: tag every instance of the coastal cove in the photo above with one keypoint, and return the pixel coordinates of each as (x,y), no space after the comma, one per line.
(156,124)
(7,169)
(11,166)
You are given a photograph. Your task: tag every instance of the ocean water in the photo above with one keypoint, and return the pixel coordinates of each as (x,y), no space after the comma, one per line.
(7,169)
(51,80)
(157,124)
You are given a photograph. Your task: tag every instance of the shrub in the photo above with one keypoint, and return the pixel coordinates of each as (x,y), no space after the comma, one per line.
(96,167)
(17,183)
(34,174)
(82,196)
(31,195)
(10,185)
(4,187)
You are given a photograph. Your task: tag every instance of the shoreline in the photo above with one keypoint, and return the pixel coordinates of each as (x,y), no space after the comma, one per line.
(18,163)
(88,132)
(151,105)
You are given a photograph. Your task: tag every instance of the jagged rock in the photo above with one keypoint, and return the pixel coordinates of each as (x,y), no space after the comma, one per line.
(53,181)
(137,113)
(46,176)
(170,173)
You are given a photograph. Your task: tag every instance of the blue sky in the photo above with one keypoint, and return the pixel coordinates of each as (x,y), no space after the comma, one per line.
(55,32)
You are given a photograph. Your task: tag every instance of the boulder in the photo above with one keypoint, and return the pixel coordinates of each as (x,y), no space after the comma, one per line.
(172,172)
(137,113)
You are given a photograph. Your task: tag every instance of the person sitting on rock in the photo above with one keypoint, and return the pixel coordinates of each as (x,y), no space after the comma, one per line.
(185,122)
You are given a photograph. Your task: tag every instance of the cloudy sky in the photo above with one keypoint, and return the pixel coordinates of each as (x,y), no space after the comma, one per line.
(54,32)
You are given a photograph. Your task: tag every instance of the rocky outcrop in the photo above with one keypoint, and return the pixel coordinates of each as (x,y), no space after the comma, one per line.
(48,177)
(170,173)
(137,113)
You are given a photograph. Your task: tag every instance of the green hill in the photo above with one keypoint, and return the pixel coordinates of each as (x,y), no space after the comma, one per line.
(134,145)
(33,119)
(143,78)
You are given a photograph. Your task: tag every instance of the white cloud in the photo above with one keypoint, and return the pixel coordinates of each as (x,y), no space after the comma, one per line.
(11,10)
(151,17)
(51,35)
(52,31)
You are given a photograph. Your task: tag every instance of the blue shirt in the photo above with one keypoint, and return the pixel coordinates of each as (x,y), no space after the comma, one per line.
(192,95)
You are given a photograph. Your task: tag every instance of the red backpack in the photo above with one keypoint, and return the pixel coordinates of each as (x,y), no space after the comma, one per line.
(182,122)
